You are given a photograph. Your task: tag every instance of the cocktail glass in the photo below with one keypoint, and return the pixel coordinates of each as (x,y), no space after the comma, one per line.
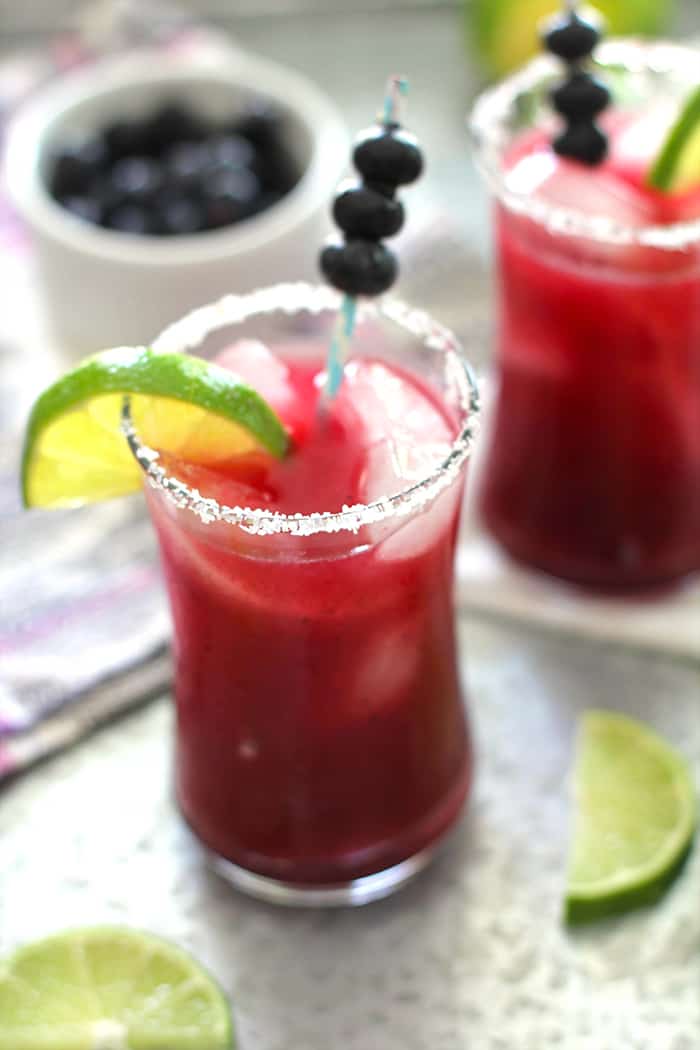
(322,747)
(592,468)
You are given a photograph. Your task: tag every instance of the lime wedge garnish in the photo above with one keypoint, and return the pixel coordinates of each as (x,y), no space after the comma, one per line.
(636,813)
(677,167)
(75,451)
(109,989)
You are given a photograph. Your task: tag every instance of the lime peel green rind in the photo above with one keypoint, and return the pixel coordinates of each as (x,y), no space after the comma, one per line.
(580,911)
(611,749)
(140,371)
(669,169)
(110,986)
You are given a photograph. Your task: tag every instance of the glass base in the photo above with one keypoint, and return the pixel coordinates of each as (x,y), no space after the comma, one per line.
(334,895)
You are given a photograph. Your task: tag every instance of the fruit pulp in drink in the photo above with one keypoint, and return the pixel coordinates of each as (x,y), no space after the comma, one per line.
(321,732)
(592,471)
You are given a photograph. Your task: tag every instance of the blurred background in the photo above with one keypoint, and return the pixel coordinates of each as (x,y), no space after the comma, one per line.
(447,50)
(502,32)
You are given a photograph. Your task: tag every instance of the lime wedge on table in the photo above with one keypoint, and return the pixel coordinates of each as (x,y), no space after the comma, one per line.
(75,451)
(636,813)
(109,989)
(677,167)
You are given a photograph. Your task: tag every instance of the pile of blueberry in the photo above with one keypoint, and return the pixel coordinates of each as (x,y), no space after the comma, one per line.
(175,172)
(386,157)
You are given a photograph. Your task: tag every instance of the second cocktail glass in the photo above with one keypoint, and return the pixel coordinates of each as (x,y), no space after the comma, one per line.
(592,470)
(322,749)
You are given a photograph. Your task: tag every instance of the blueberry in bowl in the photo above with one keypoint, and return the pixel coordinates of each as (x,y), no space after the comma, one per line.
(150,187)
(175,171)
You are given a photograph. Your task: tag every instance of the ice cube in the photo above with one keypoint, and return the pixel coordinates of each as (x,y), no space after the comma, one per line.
(185,555)
(258,366)
(594,191)
(637,141)
(600,195)
(634,148)
(247,488)
(407,436)
(381,477)
(383,670)
(421,531)
(216,560)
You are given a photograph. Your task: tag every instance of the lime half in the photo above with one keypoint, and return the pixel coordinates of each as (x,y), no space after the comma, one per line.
(677,167)
(109,988)
(636,813)
(75,451)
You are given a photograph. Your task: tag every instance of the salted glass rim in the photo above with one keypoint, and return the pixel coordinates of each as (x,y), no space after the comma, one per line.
(488,126)
(191,331)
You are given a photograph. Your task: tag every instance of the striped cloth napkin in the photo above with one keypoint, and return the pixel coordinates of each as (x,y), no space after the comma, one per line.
(83,618)
(84,624)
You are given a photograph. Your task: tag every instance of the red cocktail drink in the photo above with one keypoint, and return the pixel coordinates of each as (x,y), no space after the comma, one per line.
(592,472)
(321,733)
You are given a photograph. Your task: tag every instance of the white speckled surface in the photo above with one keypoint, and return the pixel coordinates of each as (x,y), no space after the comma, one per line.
(472,955)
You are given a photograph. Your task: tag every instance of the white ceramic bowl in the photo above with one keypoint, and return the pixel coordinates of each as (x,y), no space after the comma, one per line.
(102,288)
